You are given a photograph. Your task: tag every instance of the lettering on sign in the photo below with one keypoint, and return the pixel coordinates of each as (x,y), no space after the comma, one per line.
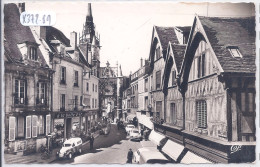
(68,115)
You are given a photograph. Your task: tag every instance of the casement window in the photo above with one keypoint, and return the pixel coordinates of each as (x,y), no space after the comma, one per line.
(93,87)
(93,103)
(20,91)
(174,80)
(41,93)
(158,79)
(33,53)
(76,103)
(96,88)
(34,125)
(158,107)
(28,127)
(201,110)
(247,115)
(87,87)
(146,85)
(201,66)
(62,102)
(63,75)
(12,126)
(76,79)
(41,125)
(20,126)
(173,114)
(48,124)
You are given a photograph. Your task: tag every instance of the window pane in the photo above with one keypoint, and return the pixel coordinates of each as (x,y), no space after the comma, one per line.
(247,124)
(251,102)
(20,127)
(198,59)
(243,99)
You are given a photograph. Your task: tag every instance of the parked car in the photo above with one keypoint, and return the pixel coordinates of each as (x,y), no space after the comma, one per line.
(152,157)
(129,127)
(70,147)
(136,156)
(135,135)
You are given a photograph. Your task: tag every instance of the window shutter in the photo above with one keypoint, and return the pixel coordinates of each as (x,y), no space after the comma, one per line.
(201,114)
(11,128)
(48,124)
(28,126)
(34,126)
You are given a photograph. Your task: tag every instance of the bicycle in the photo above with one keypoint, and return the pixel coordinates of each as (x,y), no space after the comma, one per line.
(46,154)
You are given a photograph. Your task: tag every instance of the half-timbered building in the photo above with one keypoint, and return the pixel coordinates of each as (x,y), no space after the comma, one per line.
(217,83)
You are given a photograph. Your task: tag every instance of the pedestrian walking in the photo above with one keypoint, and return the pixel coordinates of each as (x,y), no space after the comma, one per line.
(118,124)
(91,142)
(129,156)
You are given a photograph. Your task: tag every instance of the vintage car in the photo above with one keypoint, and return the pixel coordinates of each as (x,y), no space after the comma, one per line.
(129,127)
(152,157)
(135,135)
(136,156)
(70,147)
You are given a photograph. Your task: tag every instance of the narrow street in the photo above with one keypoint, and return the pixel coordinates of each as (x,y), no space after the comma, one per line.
(108,149)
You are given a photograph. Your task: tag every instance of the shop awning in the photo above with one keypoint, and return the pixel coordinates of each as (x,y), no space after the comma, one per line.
(172,149)
(148,144)
(156,137)
(146,121)
(191,158)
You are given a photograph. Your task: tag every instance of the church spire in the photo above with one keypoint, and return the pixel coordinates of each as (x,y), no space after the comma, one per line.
(89,14)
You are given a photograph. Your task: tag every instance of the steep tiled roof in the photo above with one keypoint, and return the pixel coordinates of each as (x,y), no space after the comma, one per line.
(178,52)
(166,35)
(184,28)
(16,33)
(55,34)
(239,32)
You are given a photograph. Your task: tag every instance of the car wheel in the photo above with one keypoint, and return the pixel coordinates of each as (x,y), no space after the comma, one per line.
(80,151)
(70,155)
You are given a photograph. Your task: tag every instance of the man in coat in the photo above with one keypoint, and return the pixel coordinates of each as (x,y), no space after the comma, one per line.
(129,156)
(91,142)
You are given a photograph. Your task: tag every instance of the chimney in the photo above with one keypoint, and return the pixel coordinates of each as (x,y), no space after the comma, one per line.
(141,62)
(21,7)
(41,32)
(73,39)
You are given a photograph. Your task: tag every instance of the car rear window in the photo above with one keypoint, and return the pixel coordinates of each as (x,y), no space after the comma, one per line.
(135,131)
(66,145)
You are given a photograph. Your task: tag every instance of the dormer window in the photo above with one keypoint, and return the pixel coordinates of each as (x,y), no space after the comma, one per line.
(28,50)
(234,51)
(33,53)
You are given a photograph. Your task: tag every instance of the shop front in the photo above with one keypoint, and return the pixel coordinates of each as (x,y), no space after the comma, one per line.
(74,124)
(67,124)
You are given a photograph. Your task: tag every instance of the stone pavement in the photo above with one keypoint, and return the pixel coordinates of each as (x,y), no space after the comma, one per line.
(19,158)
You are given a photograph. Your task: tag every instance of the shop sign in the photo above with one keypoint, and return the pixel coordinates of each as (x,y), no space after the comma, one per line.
(68,115)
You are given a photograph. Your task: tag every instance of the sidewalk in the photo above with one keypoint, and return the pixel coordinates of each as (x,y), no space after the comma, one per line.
(19,158)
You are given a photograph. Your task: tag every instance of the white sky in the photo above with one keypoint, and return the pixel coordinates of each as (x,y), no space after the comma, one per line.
(126,28)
